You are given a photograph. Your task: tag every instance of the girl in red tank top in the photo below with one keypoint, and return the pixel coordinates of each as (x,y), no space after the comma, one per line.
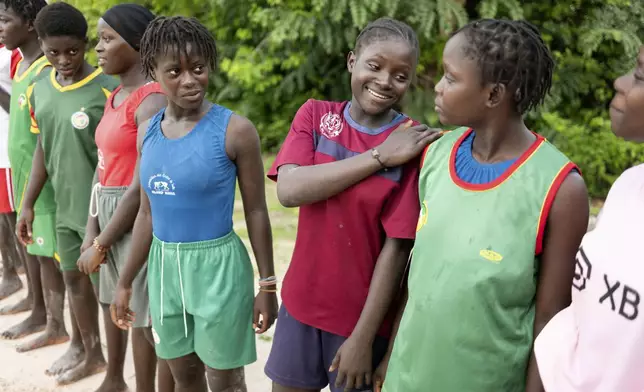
(116,136)
(115,197)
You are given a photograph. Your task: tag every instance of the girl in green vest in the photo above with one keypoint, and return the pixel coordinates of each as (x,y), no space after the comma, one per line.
(502,215)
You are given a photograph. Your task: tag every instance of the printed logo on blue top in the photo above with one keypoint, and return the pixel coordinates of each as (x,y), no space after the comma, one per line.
(161,184)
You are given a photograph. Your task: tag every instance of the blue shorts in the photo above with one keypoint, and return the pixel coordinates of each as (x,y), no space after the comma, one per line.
(301,355)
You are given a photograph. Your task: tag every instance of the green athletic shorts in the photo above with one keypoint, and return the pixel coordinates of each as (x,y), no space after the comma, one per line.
(44,235)
(69,244)
(106,199)
(201,301)
(44,225)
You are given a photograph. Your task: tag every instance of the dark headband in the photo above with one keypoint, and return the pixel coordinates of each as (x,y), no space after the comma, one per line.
(129,21)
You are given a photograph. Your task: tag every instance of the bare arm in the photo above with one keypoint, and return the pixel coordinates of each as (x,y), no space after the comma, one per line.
(141,234)
(567,224)
(120,312)
(300,185)
(243,147)
(141,242)
(37,177)
(354,359)
(125,213)
(401,303)
(384,287)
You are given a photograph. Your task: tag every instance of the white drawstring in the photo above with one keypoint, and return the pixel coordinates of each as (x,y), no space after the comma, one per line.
(162,283)
(183,298)
(93,200)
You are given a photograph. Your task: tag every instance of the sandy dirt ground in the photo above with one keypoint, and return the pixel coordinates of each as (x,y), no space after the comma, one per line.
(26,372)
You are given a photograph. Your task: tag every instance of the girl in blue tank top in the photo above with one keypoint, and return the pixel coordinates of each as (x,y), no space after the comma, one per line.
(200,278)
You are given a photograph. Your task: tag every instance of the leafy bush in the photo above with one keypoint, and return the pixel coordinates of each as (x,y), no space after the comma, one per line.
(601,156)
(275,54)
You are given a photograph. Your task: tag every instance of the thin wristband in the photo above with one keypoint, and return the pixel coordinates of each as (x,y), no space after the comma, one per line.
(375,154)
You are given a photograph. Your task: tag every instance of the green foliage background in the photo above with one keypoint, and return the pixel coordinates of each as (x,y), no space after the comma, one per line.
(275,54)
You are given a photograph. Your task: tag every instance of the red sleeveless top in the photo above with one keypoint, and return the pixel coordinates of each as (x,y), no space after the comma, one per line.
(116,137)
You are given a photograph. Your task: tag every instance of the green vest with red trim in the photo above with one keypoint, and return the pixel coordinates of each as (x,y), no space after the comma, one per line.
(468,323)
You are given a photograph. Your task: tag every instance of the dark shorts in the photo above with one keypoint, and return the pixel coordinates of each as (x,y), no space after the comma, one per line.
(301,355)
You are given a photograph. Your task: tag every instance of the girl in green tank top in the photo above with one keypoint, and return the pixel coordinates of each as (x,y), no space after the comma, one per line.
(502,215)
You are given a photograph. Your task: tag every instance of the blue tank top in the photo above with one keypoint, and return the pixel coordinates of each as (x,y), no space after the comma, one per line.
(470,170)
(190,181)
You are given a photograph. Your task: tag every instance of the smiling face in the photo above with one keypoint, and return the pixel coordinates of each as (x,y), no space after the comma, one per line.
(183,77)
(14,31)
(380,74)
(627,107)
(115,55)
(461,98)
(66,54)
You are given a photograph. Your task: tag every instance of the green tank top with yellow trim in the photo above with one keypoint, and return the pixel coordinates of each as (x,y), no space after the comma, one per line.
(468,323)
(66,118)
(21,142)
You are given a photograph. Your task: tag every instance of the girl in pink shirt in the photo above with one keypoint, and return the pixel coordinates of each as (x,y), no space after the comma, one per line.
(597,343)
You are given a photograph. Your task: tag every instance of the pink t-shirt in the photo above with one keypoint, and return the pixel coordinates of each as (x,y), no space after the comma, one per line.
(597,343)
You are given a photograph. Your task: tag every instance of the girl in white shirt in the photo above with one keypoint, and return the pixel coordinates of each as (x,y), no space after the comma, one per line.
(597,343)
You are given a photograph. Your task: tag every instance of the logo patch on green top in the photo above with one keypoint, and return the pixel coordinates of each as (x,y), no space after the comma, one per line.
(80,120)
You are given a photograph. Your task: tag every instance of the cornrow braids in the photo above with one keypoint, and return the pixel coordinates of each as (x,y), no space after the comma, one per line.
(61,19)
(165,34)
(514,54)
(387,28)
(27,9)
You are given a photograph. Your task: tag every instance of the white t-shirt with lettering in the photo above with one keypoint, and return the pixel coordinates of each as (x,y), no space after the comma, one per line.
(5,84)
(597,343)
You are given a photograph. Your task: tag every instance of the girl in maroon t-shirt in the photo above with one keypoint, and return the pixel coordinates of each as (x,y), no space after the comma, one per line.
(345,165)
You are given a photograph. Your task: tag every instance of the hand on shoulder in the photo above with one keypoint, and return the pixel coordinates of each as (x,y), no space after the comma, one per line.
(406,142)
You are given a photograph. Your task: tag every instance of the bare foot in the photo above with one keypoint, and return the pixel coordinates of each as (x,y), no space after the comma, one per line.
(31,325)
(22,306)
(113,386)
(83,370)
(10,286)
(69,360)
(49,338)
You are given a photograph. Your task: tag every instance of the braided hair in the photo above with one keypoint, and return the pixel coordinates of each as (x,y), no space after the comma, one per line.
(26,9)
(165,34)
(514,54)
(386,28)
(61,19)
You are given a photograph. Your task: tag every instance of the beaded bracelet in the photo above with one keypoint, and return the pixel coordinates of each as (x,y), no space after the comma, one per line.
(99,248)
